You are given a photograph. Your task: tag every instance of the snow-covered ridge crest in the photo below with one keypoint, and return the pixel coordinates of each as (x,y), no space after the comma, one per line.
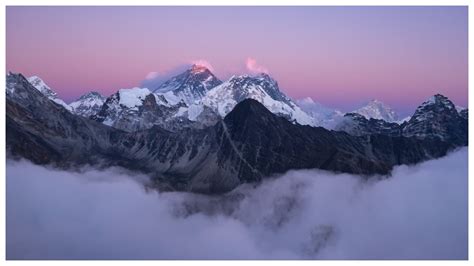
(41,86)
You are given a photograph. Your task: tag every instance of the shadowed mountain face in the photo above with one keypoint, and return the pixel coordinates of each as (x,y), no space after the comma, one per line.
(249,144)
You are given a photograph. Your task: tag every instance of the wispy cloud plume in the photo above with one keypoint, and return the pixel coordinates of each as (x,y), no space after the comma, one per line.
(253,67)
(152,75)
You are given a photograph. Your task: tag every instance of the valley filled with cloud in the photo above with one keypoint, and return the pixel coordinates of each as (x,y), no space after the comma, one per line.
(419,212)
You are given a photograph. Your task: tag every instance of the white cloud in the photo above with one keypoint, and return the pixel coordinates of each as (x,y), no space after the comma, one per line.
(152,75)
(418,213)
(253,67)
(155,78)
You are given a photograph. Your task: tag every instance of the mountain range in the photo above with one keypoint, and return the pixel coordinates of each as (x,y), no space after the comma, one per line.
(197,133)
(197,97)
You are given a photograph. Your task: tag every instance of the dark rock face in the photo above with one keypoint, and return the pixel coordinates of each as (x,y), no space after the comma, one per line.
(271,144)
(249,144)
(438,117)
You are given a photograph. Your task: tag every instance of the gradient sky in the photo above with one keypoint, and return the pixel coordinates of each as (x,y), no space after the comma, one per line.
(339,56)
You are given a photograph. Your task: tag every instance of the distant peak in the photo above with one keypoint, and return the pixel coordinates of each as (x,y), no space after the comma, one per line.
(92,94)
(376,103)
(377,110)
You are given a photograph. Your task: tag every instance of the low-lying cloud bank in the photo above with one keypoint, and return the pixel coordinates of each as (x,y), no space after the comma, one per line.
(418,213)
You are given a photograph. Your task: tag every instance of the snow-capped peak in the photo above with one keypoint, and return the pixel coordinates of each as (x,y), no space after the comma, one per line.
(377,110)
(41,86)
(191,85)
(88,104)
(323,116)
(92,95)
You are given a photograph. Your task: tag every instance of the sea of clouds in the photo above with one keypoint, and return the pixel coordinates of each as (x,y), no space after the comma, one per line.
(420,212)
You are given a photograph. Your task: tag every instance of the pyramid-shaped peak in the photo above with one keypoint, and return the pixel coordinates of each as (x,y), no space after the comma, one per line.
(437,99)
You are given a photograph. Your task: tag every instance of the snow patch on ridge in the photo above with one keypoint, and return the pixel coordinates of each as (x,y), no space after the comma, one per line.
(194,111)
(133,97)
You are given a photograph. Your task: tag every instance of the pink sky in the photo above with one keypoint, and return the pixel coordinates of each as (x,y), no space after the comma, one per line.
(339,56)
